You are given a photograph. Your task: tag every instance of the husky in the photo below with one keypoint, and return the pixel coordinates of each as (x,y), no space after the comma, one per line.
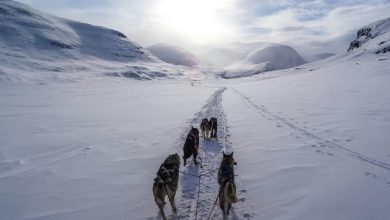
(213,127)
(205,128)
(166,183)
(227,188)
(191,145)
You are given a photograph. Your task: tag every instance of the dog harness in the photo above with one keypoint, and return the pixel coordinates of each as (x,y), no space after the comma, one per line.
(168,171)
(225,173)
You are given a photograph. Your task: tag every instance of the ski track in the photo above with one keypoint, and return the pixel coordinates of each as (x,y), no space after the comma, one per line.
(189,205)
(264,112)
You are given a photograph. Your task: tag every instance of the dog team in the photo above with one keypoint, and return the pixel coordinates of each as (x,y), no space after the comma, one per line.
(167,180)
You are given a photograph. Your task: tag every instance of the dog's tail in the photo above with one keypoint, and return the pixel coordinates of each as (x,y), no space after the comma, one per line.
(231,192)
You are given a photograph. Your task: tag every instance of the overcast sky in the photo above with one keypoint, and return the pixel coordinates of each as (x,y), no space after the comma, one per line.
(197,22)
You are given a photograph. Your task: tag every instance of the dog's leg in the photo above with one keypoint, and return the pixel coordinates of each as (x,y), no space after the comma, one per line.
(163,214)
(195,154)
(174,204)
(160,203)
(195,162)
(224,215)
(226,209)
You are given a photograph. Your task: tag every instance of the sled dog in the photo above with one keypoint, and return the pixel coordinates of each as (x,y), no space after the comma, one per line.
(213,127)
(166,183)
(227,189)
(191,145)
(205,128)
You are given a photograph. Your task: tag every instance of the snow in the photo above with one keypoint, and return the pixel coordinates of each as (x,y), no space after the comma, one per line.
(79,140)
(312,145)
(174,55)
(267,58)
(88,151)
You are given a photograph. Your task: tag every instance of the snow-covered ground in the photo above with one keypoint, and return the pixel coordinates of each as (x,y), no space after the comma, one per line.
(80,141)
(314,144)
(311,143)
(89,151)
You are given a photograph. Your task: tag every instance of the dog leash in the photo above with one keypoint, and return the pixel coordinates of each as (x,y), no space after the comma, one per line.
(200,175)
(190,174)
(170,201)
(219,194)
(197,200)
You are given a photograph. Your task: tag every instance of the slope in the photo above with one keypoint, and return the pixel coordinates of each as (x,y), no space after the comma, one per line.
(38,46)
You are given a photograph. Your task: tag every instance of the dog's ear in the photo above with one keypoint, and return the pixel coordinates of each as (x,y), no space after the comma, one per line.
(231,154)
(223,153)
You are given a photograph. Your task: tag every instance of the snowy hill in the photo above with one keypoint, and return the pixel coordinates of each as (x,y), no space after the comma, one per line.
(374,37)
(174,55)
(33,42)
(33,31)
(267,58)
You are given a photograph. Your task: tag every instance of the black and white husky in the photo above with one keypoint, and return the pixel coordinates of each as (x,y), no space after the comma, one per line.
(166,183)
(227,187)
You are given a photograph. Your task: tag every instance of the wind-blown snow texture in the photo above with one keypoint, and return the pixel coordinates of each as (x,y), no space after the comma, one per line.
(311,142)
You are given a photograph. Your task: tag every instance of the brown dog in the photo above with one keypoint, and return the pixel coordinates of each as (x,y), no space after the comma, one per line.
(205,128)
(213,122)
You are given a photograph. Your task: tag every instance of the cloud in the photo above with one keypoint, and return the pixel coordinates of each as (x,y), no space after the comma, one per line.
(333,23)
(279,21)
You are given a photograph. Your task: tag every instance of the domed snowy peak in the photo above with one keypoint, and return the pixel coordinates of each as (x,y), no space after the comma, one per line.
(277,56)
(173,54)
(267,58)
(374,37)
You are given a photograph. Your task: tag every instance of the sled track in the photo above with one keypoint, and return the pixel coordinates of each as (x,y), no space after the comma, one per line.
(268,114)
(196,195)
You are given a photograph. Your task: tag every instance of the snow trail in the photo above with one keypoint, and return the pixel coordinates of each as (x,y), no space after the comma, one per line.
(268,114)
(198,186)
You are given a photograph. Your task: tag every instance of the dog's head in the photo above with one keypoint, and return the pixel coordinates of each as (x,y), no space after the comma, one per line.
(194,131)
(228,158)
(177,158)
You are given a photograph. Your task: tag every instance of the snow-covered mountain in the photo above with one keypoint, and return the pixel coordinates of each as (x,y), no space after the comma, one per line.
(374,38)
(174,55)
(33,42)
(41,35)
(267,58)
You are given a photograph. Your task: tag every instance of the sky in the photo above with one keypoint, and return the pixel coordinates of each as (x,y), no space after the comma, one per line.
(190,23)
